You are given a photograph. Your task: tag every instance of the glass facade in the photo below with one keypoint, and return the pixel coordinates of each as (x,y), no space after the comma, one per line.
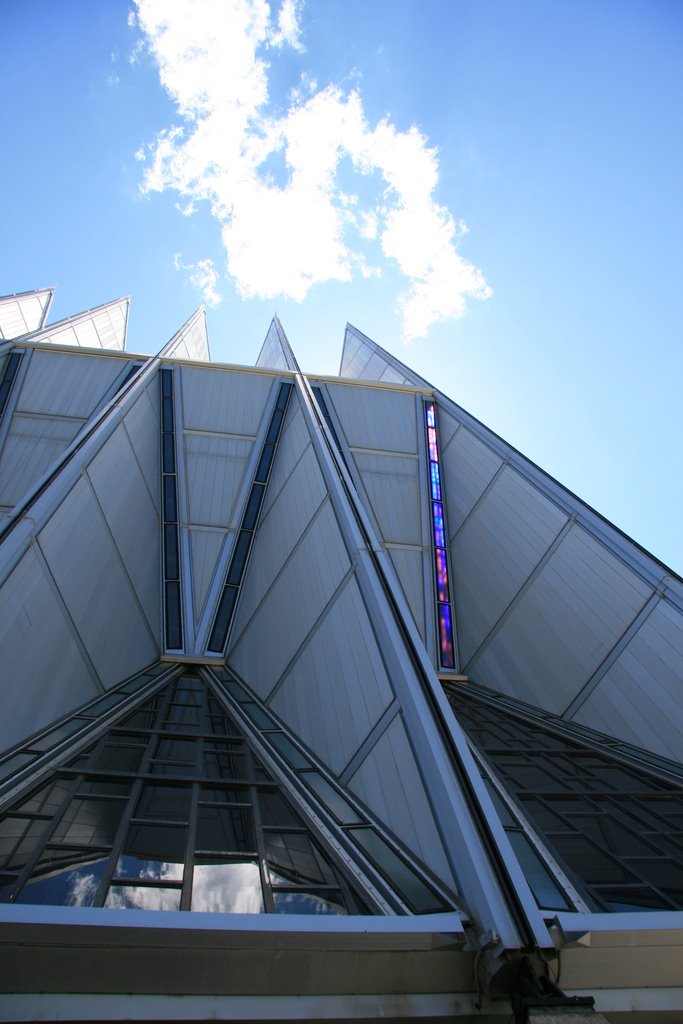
(615,828)
(170,809)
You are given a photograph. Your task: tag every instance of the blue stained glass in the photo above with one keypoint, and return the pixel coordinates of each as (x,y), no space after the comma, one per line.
(433,448)
(441,576)
(437,514)
(431,416)
(436,481)
(446,636)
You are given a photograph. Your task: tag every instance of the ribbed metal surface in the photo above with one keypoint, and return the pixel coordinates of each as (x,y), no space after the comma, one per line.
(43,672)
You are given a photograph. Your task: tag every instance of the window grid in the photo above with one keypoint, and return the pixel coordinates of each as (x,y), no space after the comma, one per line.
(169,809)
(615,828)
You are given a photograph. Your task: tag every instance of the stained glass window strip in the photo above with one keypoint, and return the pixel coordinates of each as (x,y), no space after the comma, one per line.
(443,606)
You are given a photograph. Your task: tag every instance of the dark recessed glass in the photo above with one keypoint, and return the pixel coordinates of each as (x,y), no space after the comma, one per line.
(70,880)
(264,463)
(225,830)
(239,558)
(174,632)
(334,801)
(165,803)
(253,506)
(291,753)
(546,892)
(416,893)
(283,395)
(171,563)
(5,389)
(167,383)
(223,616)
(274,428)
(168,452)
(167,415)
(170,508)
(12,365)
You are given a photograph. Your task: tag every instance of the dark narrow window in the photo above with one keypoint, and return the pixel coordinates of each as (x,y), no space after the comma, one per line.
(240,554)
(11,368)
(173,612)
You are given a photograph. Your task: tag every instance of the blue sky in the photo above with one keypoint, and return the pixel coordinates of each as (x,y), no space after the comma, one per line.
(491,190)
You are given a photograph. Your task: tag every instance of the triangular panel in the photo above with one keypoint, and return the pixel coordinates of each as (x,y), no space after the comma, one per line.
(191,341)
(205,547)
(24,312)
(101,327)
(276,352)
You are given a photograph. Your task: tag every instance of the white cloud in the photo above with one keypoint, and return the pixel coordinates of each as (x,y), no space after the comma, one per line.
(284,233)
(202,275)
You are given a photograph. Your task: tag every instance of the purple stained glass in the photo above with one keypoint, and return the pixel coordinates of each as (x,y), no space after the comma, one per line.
(441,576)
(431,415)
(437,514)
(433,448)
(446,636)
(436,480)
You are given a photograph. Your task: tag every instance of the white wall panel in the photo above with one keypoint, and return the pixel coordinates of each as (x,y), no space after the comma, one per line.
(640,699)
(132,518)
(393,487)
(391,376)
(100,599)
(496,550)
(567,621)
(279,531)
(338,688)
(142,427)
(447,425)
(409,565)
(66,383)
(292,605)
(389,783)
(205,547)
(43,673)
(376,417)
(21,314)
(226,401)
(31,447)
(468,466)
(214,469)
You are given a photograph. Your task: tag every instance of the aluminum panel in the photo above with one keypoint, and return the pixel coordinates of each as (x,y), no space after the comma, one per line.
(468,467)
(297,598)
(103,327)
(66,383)
(280,529)
(44,675)
(563,626)
(205,547)
(225,401)
(393,488)
(495,552)
(21,314)
(389,782)
(32,446)
(83,560)
(214,470)
(192,340)
(338,688)
(132,518)
(142,427)
(376,417)
(409,566)
(640,699)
